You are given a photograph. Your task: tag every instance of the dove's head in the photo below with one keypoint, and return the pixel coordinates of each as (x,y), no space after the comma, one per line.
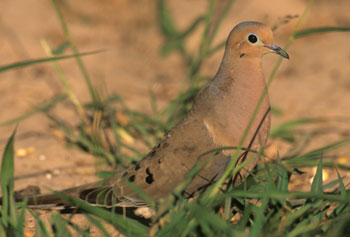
(253,39)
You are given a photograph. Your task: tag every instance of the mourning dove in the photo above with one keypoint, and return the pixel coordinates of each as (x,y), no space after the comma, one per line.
(218,118)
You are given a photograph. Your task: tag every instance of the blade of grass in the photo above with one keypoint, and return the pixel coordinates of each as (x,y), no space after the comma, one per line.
(209,220)
(81,231)
(279,195)
(282,178)
(221,16)
(41,228)
(256,229)
(21,220)
(60,49)
(98,224)
(43,107)
(59,225)
(317,183)
(84,141)
(9,214)
(298,213)
(215,48)
(176,42)
(2,230)
(343,192)
(316,153)
(43,60)
(197,60)
(307,32)
(81,65)
(68,89)
(125,225)
(284,130)
(166,22)
(342,206)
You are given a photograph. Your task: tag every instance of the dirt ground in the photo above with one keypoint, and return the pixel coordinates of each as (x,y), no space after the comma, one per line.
(315,82)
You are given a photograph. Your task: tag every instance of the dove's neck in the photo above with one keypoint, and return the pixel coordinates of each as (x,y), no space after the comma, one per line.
(235,92)
(241,79)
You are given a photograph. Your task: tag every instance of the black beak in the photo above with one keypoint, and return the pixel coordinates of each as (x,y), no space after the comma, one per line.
(277,49)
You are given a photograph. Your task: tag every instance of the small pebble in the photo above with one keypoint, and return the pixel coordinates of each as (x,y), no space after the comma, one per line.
(48,175)
(30,149)
(343,160)
(56,171)
(21,152)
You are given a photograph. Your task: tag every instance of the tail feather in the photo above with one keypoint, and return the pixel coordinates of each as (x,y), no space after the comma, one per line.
(46,201)
(97,194)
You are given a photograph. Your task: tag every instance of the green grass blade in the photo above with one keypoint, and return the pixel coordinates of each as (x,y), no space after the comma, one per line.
(77,57)
(317,183)
(43,60)
(209,221)
(342,206)
(177,41)
(282,178)
(125,225)
(59,225)
(192,27)
(42,107)
(339,226)
(260,219)
(67,87)
(316,153)
(41,228)
(330,184)
(175,225)
(60,49)
(341,186)
(140,193)
(83,141)
(307,32)
(278,195)
(81,231)
(167,24)
(221,16)
(9,215)
(98,224)
(21,221)
(285,130)
(305,229)
(301,213)
(215,48)
(2,230)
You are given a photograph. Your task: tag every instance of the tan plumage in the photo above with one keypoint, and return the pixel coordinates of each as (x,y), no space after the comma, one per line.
(217,119)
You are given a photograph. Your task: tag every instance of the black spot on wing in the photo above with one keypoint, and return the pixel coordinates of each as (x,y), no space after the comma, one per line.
(132,178)
(149,179)
(153,152)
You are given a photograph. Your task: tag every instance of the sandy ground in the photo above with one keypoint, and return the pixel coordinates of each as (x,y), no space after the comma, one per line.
(315,82)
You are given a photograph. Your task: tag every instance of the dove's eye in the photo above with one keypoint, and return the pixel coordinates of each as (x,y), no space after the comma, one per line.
(252,38)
